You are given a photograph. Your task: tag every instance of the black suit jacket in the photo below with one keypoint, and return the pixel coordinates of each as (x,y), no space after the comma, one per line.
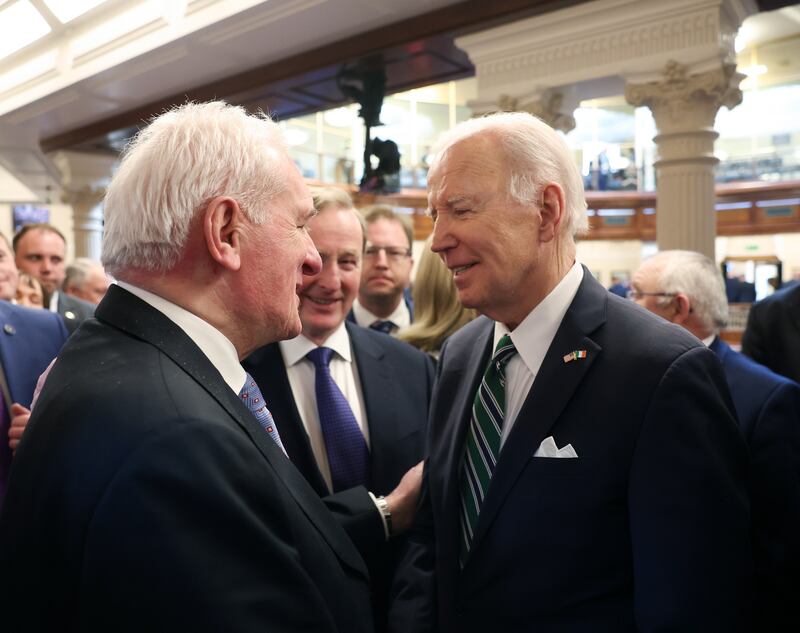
(647,530)
(772,335)
(74,311)
(396,381)
(768,407)
(146,497)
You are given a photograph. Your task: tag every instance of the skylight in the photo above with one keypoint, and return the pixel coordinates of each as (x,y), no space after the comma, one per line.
(67,10)
(20,24)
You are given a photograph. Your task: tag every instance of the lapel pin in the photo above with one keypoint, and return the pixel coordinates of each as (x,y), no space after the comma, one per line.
(578,354)
(9,329)
(69,314)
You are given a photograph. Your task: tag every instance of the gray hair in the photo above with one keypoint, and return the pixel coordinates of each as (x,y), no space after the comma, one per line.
(696,276)
(78,271)
(536,155)
(174,167)
(334,198)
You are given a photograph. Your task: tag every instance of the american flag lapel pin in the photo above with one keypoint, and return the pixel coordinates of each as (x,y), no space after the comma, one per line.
(578,354)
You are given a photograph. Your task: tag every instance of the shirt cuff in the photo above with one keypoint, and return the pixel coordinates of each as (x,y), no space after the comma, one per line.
(386,532)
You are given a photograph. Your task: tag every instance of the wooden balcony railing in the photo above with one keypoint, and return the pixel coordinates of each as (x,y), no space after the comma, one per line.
(742,209)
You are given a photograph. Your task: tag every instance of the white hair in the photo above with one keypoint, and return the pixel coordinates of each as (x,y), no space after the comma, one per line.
(696,276)
(174,167)
(78,272)
(535,154)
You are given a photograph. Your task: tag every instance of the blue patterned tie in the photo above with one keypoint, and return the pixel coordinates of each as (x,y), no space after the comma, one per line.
(251,396)
(348,454)
(387,327)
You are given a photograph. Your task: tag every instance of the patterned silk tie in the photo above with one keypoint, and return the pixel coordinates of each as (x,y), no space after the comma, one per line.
(348,454)
(483,441)
(387,327)
(251,396)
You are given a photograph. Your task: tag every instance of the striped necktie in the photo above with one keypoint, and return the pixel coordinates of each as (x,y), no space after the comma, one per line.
(251,396)
(483,441)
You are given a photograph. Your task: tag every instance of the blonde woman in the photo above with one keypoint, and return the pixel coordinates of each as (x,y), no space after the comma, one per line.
(437,311)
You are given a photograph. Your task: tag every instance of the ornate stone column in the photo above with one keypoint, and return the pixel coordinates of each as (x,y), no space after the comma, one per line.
(684,107)
(549,106)
(87,217)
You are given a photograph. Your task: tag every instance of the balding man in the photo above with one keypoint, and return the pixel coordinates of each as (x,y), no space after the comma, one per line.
(151,491)
(86,280)
(40,250)
(549,503)
(687,289)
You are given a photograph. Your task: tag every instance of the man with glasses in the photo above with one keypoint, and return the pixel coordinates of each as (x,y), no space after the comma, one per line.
(383,302)
(687,289)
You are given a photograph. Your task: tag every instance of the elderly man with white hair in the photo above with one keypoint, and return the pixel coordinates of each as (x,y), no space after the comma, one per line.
(86,279)
(151,490)
(585,470)
(687,289)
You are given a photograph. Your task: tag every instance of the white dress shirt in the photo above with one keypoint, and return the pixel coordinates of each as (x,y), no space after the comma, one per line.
(213,343)
(401,317)
(302,373)
(532,338)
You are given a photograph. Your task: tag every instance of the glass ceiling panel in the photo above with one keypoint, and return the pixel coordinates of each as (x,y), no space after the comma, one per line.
(20,25)
(67,10)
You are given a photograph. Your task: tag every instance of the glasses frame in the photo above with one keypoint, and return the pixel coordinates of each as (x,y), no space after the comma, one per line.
(633,295)
(396,256)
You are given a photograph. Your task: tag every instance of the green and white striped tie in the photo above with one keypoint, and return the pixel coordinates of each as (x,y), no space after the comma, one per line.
(483,441)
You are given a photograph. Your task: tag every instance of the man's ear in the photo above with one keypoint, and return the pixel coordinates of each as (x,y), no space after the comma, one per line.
(222,221)
(552,211)
(683,308)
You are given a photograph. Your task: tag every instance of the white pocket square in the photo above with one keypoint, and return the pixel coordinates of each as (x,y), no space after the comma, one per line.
(548,448)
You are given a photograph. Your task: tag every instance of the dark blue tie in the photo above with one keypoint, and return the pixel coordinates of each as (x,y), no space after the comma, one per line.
(387,327)
(251,396)
(348,455)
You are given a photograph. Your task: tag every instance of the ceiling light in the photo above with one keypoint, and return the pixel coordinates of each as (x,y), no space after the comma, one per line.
(295,137)
(68,10)
(340,117)
(20,25)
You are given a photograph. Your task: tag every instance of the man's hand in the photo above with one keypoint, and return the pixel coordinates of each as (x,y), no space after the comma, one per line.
(19,420)
(403,500)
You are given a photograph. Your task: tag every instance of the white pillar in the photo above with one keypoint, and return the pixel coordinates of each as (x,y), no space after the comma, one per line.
(684,108)
(87,217)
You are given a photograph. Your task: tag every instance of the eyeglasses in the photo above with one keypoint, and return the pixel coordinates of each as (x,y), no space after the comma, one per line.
(394,253)
(635,295)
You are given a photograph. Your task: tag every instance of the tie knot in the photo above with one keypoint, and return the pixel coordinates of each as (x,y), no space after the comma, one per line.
(387,327)
(504,351)
(321,356)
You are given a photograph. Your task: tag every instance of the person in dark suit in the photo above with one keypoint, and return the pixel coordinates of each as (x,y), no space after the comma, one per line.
(40,250)
(687,289)
(549,503)
(384,302)
(151,490)
(29,340)
(386,385)
(772,334)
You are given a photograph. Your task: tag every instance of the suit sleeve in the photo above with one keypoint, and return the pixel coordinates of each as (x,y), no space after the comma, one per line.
(220,548)
(775,448)
(753,343)
(688,505)
(357,513)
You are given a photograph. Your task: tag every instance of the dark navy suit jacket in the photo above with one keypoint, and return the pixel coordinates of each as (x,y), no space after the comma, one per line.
(145,496)
(647,530)
(768,407)
(29,340)
(772,335)
(396,382)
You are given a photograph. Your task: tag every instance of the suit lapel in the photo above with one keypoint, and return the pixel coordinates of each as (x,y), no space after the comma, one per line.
(132,315)
(267,367)
(465,378)
(377,388)
(554,386)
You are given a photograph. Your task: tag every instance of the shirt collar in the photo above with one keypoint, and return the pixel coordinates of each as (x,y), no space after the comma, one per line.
(213,343)
(54,301)
(294,350)
(533,336)
(400,317)
(708,340)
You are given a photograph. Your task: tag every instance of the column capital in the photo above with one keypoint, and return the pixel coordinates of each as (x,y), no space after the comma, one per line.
(549,106)
(680,101)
